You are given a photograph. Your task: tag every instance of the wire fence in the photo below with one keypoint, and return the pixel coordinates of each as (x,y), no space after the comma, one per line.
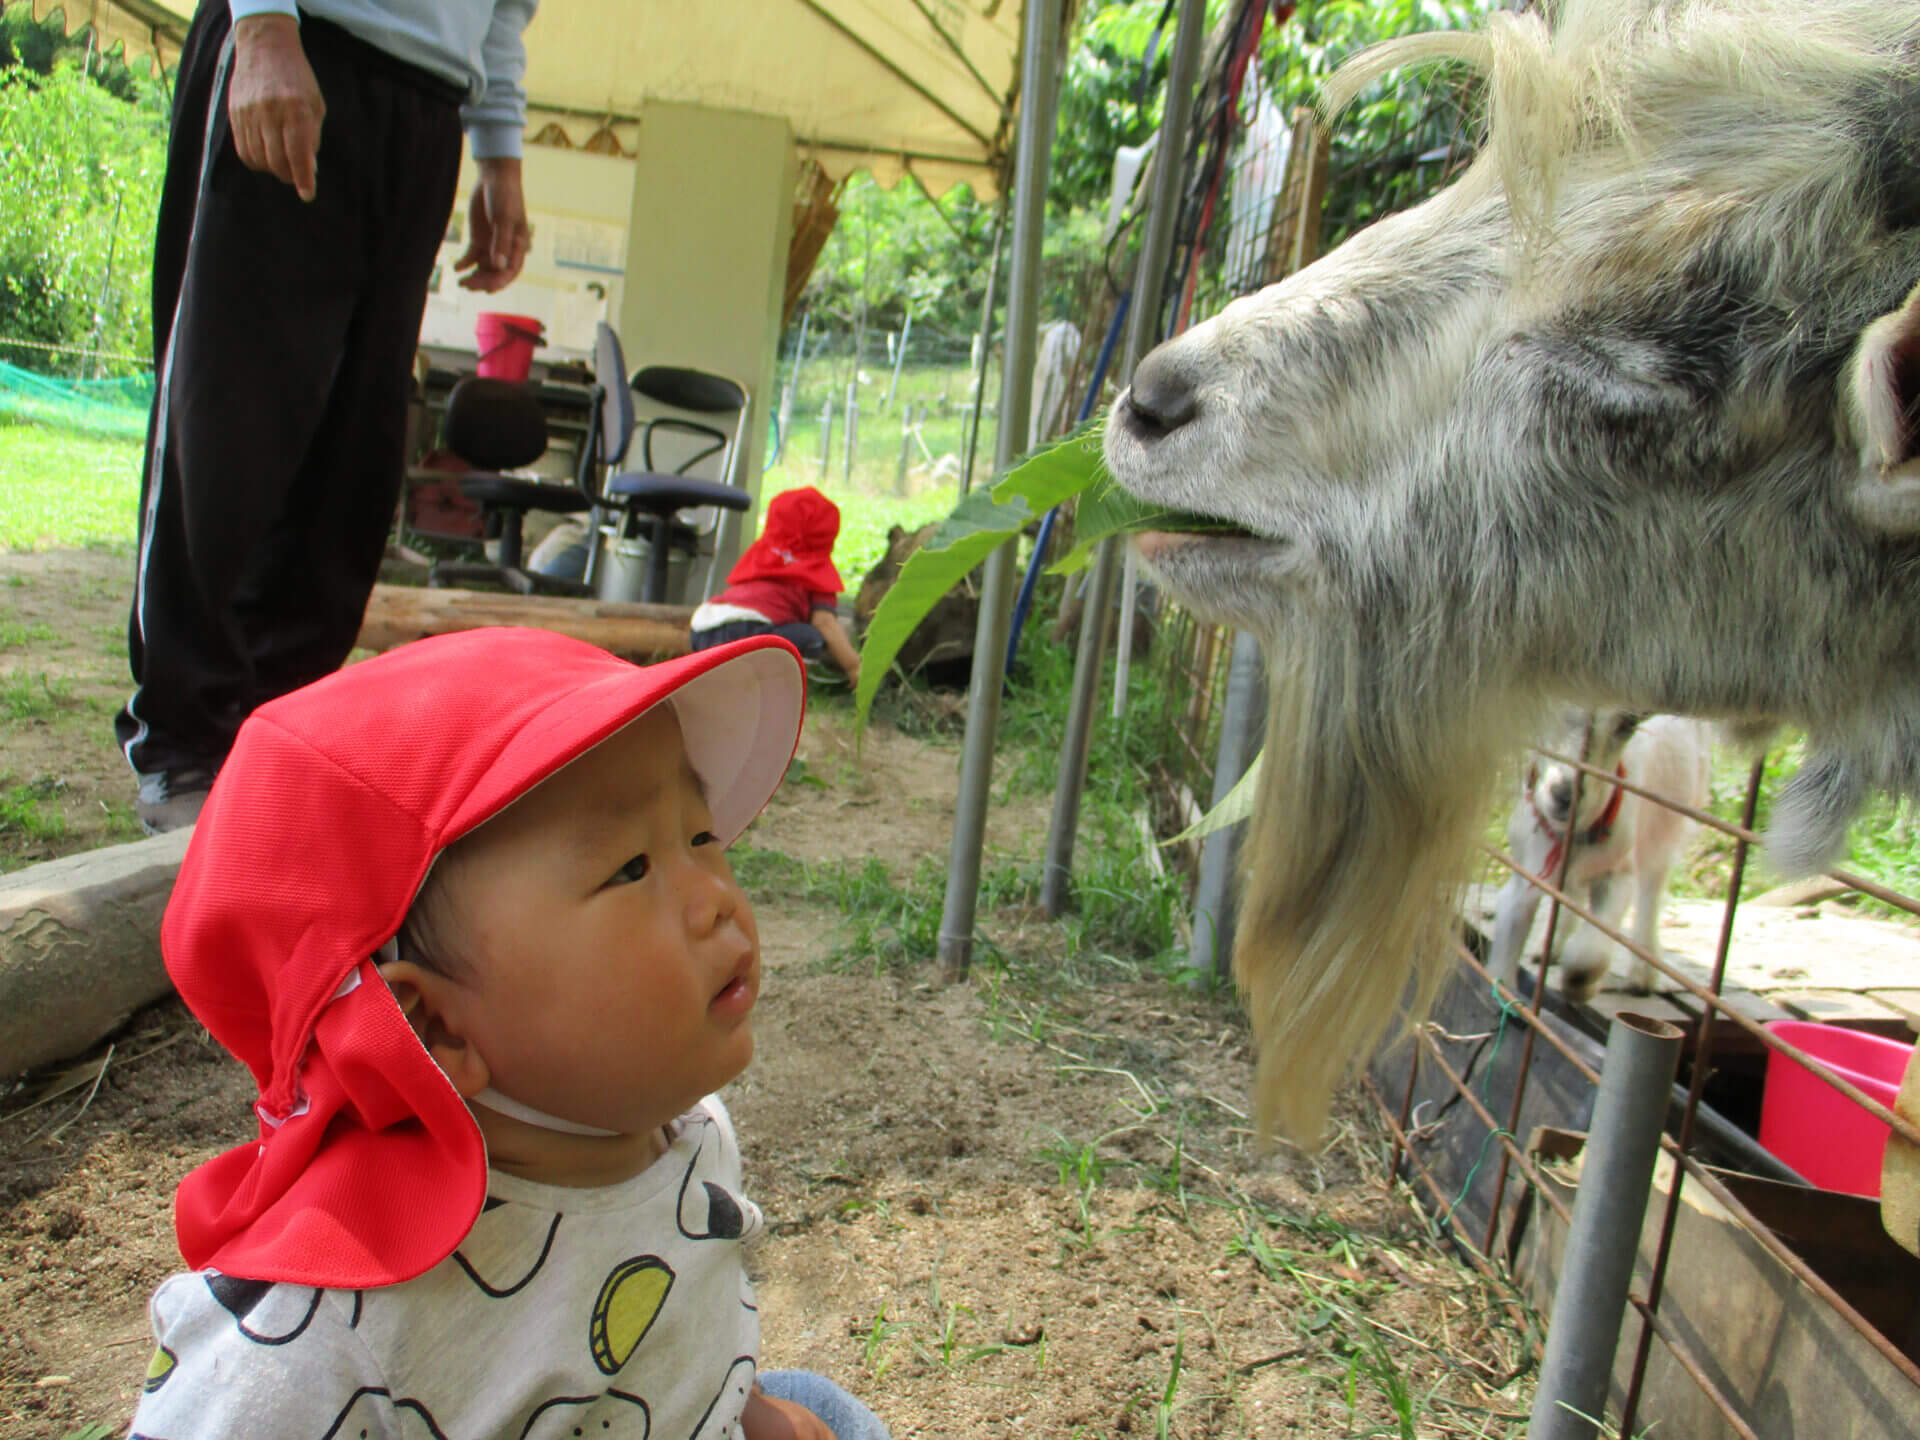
(1487,1102)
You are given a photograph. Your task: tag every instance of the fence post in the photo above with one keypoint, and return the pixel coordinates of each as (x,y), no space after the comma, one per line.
(906,444)
(793,378)
(1636,1083)
(1064,823)
(826,437)
(899,356)
(1213,892)
(853,431)
(1039,104)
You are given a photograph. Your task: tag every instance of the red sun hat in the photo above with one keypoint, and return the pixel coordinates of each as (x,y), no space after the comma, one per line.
(795,544)
(315,839)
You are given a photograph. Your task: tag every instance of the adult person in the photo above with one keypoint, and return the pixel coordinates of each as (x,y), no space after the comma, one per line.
(310,177)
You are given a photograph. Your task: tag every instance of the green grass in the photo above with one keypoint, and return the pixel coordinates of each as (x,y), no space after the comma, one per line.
(66,491)
(27,810)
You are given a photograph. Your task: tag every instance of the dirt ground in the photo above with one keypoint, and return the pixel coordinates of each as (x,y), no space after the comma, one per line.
(1023,1204)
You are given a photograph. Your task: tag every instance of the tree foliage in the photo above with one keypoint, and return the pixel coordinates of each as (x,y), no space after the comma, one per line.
(86,149)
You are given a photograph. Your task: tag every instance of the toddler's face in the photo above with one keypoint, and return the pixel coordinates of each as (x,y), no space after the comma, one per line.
(613,958)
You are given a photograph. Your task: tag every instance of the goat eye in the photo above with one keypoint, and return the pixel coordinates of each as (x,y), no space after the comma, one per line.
(634,869)
(706,837)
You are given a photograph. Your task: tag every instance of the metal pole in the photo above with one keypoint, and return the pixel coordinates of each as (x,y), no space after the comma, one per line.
(984,345)
(1213,893)
(852,429)
(1039,80)
(826,438)
(793,377)
(1149,270)
(906,447)
(900,357)
(1603,1240)
(1056,875)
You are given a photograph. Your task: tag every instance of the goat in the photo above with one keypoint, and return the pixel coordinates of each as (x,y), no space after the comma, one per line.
(1628,415)
(1622,845)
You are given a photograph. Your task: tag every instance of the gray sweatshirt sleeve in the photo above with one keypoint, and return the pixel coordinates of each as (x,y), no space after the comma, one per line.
(495,121)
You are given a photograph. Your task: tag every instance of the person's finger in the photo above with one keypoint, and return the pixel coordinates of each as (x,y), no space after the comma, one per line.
(246,142)
(274,144)
(302,137)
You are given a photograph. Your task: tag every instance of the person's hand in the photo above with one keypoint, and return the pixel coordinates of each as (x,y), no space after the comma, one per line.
(497,230)
(766,1418)
(274,103)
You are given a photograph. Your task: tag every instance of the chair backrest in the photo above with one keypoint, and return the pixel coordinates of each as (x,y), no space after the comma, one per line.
(695,392)
(615,420)
(494,424)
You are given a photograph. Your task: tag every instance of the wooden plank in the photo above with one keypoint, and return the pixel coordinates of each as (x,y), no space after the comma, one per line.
(80,947)
(399,613)
(1843,1007)
(1729,1038)
(1907,1002)
(1776,949)
(1610,1003)
(1788,1361)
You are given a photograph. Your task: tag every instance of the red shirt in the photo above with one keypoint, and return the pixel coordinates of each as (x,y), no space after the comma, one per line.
(780,602)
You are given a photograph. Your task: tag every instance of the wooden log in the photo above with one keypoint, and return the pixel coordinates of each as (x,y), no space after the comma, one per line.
(399,613)
(80,947)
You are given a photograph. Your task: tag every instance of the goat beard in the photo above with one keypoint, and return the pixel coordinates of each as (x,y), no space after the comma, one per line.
(1374,788)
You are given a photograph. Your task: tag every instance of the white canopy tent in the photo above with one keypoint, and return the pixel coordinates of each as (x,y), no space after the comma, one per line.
(927,86)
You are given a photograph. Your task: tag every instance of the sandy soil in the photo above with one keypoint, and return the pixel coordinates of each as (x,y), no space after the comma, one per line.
(1023,1204)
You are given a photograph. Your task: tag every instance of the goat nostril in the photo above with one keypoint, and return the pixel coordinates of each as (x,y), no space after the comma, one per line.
(1160,399)
(1561,793)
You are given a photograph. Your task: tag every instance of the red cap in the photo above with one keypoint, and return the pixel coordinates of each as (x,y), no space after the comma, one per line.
(795,544)
(316,837)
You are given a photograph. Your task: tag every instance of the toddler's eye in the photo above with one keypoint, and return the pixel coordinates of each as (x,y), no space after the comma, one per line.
(706,837)
(634,869)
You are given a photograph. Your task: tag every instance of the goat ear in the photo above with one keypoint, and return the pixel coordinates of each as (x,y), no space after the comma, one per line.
(1883,403)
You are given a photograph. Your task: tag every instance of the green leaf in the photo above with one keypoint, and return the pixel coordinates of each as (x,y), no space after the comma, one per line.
(1107,510)
(1235,806)
(981,523)
(978,526)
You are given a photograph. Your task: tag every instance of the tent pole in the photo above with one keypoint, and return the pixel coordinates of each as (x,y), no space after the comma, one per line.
(1039,93)
(1142,325)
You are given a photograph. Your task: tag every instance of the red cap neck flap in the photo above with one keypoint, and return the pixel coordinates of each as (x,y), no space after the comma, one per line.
(316,837)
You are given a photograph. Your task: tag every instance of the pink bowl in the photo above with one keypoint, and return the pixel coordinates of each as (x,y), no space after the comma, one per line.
(1813,1127)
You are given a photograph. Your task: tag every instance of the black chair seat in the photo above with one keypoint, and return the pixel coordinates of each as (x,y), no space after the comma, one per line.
(663,494)
(515,494)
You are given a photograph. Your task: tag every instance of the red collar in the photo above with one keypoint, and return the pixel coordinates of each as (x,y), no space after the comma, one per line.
(1594,834)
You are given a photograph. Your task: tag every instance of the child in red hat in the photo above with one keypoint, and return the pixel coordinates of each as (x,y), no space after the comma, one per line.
(465,912)
(785,584)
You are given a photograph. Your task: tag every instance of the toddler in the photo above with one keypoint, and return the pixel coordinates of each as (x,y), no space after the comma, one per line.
(465,912)
(785,584)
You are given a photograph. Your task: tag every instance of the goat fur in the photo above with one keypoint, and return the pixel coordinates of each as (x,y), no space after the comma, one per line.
(1627,416)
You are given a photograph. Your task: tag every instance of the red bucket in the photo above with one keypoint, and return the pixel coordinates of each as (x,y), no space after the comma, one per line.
(1812,1126)
(506,344)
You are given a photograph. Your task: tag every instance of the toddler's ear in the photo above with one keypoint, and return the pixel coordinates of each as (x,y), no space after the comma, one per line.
(424,997)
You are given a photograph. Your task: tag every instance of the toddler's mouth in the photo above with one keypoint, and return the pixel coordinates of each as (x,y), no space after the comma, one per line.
(736,997)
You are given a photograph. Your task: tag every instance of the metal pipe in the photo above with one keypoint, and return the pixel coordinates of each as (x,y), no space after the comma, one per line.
(1056,874)
(1604,1238)
(1149,270)
(1213,912)
(1039,76)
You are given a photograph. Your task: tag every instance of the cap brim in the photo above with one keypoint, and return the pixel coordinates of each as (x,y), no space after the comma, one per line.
(740,708)
(740,721)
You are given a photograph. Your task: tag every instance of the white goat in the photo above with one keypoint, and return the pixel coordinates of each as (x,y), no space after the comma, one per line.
(1628,415)
(1622,845)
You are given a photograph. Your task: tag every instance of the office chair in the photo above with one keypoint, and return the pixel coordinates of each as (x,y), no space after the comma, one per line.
(497,425)
(649,503)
